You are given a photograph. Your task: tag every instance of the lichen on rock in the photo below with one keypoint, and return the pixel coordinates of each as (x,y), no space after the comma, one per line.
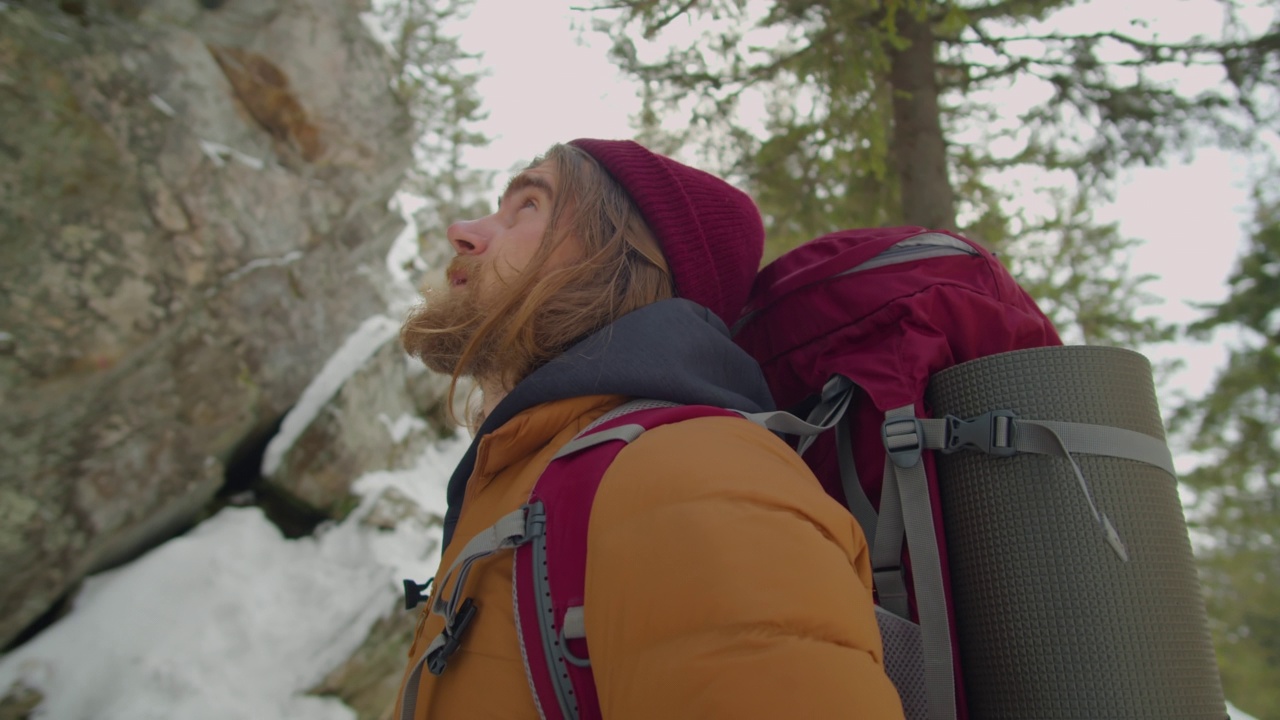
(193,217)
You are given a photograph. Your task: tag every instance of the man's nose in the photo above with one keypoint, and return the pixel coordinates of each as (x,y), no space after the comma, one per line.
(469,237)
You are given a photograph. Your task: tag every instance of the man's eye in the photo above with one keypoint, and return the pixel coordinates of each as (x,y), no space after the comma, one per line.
(529,202)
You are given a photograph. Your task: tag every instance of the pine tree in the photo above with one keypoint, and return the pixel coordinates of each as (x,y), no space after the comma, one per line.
(437,80)
(1237,491)
(880,112)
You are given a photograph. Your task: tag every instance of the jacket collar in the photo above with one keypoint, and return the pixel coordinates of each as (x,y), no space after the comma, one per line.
(534,428)
(672,350)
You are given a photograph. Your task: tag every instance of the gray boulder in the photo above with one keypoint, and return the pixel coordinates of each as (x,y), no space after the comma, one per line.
(193,218)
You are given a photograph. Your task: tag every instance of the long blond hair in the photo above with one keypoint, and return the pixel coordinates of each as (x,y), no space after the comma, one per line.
(618,268)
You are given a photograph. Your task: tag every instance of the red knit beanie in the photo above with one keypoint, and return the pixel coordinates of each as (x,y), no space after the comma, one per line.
(710,232)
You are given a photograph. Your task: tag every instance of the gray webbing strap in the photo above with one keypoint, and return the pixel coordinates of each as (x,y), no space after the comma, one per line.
(917,515)
(1045,440)
(834,404)
(508,532)
(625,433)
(1076,437)
(832,411)
(1002,433)
(886,549)
(831,408)
(409,700)
(626,408)
(1093,440)
(783,422)
(855,496)
(511,530)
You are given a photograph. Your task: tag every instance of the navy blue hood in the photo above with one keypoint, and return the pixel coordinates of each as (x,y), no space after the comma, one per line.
(673,350)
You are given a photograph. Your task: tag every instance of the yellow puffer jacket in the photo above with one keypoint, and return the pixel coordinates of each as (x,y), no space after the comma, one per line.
(722,582)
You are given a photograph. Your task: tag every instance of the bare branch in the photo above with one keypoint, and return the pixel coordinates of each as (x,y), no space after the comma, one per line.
(671,17)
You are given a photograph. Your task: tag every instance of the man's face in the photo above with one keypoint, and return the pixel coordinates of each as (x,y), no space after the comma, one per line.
(492,252)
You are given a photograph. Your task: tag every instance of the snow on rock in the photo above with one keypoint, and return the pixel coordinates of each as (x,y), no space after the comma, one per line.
(158,103)
(354,352)
(425,485)
(402,427)
(232,620)
(258,263)
(404,249)
(405,262)
(218,153)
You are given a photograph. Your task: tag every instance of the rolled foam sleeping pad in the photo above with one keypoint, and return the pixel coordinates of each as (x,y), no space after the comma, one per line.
(1051,622)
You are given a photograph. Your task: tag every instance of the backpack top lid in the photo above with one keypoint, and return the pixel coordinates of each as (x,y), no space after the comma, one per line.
(885,307)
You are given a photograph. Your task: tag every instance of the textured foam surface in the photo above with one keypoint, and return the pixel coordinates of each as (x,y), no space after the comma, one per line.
(1052,624)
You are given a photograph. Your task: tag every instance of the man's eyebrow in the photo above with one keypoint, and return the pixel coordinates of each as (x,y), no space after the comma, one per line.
(525,180)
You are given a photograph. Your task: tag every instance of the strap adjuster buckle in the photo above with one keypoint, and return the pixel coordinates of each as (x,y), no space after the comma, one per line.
(992,433)
(903,440)
(452,634)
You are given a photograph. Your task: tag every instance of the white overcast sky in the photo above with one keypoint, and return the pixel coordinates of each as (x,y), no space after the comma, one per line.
(547,82)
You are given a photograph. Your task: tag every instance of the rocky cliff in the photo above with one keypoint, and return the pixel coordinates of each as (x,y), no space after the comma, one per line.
(193,219)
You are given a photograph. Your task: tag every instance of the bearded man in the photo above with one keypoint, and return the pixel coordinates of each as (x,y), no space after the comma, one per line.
(721,581)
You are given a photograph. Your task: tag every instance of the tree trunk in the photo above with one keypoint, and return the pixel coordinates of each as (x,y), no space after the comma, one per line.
(918,148)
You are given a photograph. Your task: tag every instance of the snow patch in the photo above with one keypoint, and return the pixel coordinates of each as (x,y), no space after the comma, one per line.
(403,549)
(402,427)
(219,154)
(424,483)
(354,352)
(232,620)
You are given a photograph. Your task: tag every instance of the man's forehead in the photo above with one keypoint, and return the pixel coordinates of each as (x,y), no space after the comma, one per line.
(541,176)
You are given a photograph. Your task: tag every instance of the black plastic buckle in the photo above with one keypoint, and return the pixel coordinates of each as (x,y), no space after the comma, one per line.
(439,660)
(415,594)
(992,433)
(903,440)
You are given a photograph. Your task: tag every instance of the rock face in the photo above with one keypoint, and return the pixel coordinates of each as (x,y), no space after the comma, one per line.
(192,219)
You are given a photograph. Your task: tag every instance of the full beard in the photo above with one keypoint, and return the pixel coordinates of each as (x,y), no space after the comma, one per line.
(442,329)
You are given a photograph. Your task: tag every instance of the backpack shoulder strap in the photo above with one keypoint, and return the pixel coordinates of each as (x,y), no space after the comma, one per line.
(550,571)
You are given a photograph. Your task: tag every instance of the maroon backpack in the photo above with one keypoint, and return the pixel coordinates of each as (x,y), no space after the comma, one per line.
(848,329)
(866,316)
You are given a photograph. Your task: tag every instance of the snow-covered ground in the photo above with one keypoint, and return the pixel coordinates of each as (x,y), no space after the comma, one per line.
(232,620)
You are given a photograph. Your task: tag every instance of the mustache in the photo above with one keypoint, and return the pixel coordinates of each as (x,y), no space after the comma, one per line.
(464,265)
